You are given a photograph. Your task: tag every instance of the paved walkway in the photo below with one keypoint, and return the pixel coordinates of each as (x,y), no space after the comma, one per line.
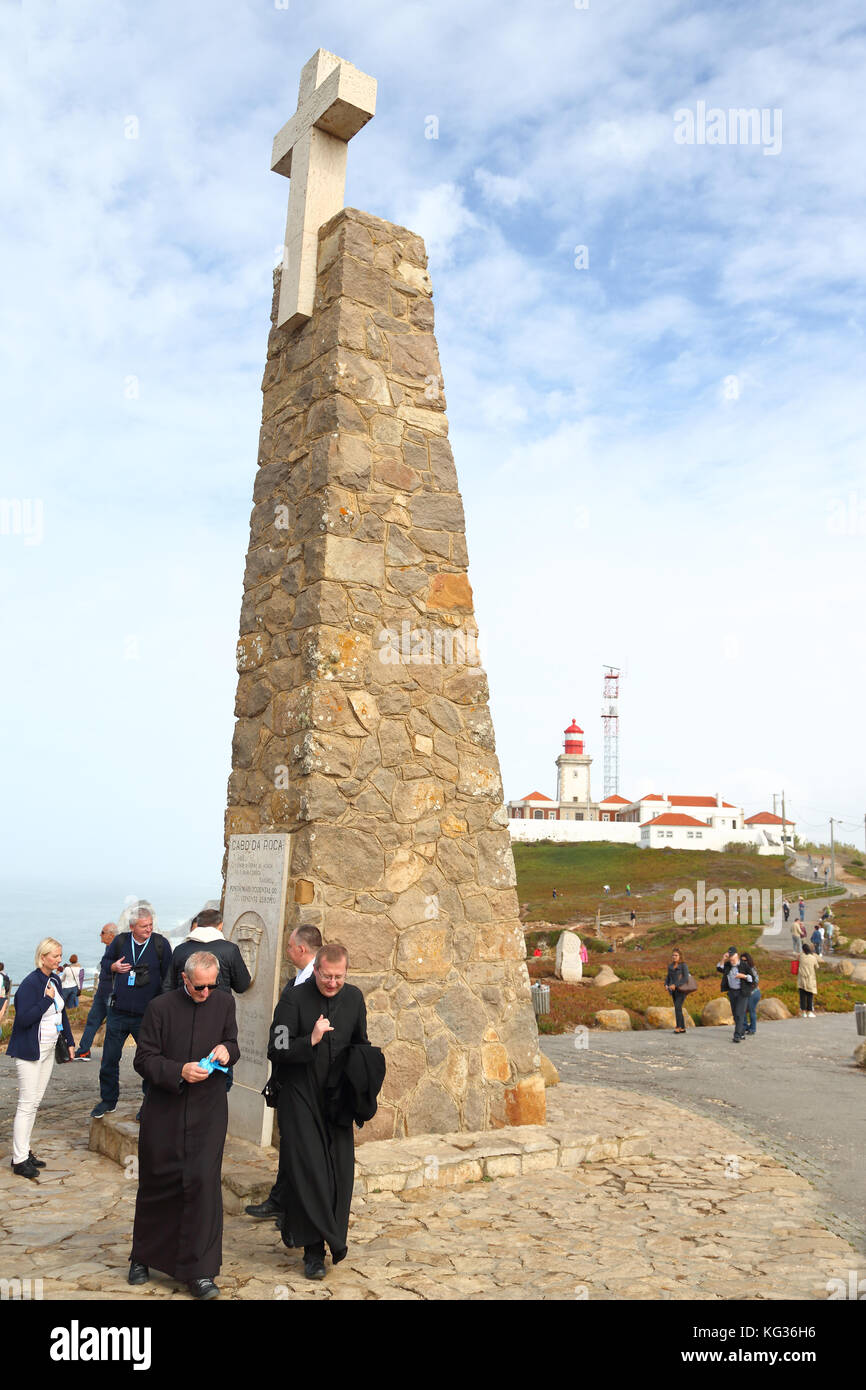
(792,1088)
(705,1215)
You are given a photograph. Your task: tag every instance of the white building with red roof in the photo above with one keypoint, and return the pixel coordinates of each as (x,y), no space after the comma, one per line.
(772,828)
(655,820)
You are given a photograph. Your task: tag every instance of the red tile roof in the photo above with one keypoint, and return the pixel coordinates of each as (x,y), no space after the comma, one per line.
(676,818)
(766,818)
(536,796)
(697,801)
(623,800)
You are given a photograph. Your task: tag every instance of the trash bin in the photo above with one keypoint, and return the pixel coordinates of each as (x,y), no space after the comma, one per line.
(860,1019)
(540,998)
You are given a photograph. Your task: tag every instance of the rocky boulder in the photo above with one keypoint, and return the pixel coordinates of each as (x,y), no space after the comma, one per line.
(770,1010)
(860,1054)
(605,977)
(858,947)
(717,1012)
(858,974)
(657,1016)
(838,965)
(614,1020)
(569,966)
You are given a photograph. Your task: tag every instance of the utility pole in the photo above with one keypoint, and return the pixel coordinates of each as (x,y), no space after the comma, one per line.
(832,854)
(784,828)
(774,803)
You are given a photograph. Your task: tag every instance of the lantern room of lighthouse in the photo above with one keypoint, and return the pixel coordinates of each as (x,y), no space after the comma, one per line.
(572,768)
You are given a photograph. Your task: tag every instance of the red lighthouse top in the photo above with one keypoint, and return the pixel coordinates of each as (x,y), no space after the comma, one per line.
(574,738)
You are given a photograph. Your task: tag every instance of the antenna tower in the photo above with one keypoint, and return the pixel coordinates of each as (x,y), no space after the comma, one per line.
(610,725)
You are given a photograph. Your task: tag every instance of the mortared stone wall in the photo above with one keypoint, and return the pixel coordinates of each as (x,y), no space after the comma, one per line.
(363,726)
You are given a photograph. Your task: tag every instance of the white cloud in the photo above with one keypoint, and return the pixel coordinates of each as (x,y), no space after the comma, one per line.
(499,188)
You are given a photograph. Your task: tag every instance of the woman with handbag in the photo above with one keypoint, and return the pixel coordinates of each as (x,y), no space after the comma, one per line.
(40,1035)
(680,983)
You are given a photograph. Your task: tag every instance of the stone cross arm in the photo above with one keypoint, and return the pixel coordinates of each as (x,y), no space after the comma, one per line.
(335,100)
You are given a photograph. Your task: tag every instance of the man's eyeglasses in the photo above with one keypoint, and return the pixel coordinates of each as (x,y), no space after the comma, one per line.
(331,979)
(198,988)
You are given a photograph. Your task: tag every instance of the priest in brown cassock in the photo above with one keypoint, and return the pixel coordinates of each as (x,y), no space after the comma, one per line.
(328,1077)
(179,1211)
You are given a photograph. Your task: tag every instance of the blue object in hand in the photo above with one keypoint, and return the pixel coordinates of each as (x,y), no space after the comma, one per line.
(208,1064)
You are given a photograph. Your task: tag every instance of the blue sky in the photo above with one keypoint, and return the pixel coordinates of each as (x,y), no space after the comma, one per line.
(661,454)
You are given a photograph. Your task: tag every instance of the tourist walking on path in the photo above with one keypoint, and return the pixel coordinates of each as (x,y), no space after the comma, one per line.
(101,996)
(801,908)
(676,978)
(139,960)
(40,1023)
(72,982)
(753,998)
(786,910)
(827,921)
(807,980)
(817,939)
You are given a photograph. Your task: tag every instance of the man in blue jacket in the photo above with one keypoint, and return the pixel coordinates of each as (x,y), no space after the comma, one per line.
(138,961)
(101,995)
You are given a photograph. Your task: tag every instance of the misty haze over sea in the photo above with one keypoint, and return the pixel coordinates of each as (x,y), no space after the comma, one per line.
(75,913)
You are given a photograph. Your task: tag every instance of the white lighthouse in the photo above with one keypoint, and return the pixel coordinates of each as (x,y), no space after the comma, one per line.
(572,772)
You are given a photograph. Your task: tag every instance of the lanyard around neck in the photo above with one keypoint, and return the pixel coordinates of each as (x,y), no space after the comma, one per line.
(137,958)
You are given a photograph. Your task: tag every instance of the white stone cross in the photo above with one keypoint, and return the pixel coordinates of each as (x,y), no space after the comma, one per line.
(335,100)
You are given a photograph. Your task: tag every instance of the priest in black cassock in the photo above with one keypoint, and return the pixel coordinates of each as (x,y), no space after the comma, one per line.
(179,1211)
(328,1076)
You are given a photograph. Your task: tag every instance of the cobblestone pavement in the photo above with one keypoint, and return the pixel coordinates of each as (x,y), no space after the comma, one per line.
(792,1089)
(706,1215)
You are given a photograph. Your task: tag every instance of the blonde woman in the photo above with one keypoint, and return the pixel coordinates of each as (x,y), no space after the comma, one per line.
(40,1019)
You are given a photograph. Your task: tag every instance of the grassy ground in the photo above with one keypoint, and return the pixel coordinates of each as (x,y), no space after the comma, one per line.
(850,917)
(579,873)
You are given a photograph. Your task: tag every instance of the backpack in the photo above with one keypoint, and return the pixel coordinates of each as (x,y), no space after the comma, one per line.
(7,984)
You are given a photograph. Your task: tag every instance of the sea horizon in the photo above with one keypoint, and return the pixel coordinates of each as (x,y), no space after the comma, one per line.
(75,914)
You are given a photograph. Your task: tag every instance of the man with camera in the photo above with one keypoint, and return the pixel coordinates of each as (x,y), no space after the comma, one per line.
(138,960)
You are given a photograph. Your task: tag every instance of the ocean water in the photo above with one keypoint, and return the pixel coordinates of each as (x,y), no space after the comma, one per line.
(75,914)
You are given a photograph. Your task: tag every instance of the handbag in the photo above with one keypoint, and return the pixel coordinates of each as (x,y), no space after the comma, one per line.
(61,1049)
(690,985)
(795,967)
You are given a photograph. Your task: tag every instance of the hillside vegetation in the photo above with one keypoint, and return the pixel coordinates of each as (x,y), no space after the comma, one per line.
(579,873)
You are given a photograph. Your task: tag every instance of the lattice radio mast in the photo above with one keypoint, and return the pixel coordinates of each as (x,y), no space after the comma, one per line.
(610,725)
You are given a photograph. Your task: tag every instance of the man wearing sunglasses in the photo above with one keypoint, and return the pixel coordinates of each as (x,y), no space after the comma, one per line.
(187,1040)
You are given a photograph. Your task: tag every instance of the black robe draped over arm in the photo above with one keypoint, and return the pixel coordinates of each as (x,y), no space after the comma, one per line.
(178,1210)
(317,1155)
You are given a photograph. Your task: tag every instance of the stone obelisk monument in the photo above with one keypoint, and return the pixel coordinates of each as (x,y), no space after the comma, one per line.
(363,760)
